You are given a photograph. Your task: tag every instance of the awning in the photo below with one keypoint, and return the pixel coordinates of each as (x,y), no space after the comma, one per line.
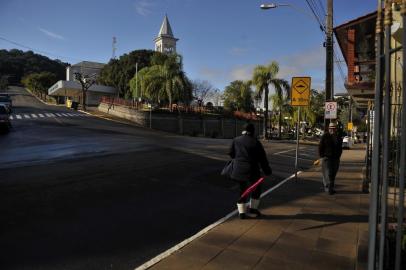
(73,88)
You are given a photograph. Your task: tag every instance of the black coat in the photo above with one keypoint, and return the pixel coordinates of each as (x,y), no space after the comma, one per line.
(249,155)
(330,146)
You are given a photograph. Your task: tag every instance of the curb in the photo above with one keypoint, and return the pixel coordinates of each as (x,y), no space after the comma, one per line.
(175,248)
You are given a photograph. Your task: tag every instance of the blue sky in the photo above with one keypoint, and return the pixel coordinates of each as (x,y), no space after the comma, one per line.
(220,40)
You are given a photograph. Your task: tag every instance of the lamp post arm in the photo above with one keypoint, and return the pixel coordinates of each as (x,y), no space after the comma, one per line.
(311,16)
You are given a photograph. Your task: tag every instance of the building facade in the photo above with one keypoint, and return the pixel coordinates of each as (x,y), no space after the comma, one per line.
(72,90)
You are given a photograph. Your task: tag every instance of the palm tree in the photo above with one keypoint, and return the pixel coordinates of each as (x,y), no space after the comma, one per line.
(165,81)
(263,77)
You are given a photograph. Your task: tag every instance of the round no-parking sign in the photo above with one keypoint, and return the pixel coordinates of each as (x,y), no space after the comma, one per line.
(330,111)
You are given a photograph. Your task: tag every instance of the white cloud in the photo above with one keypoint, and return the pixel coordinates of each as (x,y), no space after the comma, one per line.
(305,63)
(144,7)
(238,51)
(241,73)
(51,34)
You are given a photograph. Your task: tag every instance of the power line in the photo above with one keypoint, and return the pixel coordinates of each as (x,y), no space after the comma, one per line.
(318,9)
(39,51)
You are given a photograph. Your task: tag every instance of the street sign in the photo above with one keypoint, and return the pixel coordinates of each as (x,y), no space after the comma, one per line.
(300,91)
(349,126)
(330,110)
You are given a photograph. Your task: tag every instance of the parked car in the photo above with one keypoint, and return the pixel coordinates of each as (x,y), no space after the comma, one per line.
(5,100)
(5,123)
(347,142)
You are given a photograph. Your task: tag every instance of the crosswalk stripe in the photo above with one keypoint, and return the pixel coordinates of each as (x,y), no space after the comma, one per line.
(44,114)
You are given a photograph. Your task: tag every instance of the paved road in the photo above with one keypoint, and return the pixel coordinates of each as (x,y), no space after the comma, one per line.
(79,192)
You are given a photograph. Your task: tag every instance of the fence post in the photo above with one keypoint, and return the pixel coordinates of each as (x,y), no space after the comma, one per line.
(235,127)
(181,125)
(204,127)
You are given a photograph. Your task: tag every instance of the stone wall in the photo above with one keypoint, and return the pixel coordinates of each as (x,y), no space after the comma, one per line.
(192,125)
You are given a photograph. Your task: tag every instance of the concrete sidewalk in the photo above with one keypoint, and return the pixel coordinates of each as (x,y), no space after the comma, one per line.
(302,228)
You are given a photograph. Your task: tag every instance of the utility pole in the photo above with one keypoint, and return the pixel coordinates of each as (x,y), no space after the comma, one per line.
(329,55)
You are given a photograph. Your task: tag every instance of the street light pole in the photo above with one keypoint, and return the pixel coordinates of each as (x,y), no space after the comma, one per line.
(328,44)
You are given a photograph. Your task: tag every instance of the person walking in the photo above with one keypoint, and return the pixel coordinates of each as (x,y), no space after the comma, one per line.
(248,156)
(330,150)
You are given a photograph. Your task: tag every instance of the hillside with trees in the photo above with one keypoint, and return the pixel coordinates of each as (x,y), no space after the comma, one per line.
(16,64)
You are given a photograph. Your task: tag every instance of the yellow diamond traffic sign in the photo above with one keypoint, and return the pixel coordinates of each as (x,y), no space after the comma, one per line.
(300,91)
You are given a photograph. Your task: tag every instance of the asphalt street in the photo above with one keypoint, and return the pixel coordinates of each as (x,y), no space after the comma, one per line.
(80,192)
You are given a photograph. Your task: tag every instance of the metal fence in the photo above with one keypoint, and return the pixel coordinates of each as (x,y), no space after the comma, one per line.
(388,144)
(179,108)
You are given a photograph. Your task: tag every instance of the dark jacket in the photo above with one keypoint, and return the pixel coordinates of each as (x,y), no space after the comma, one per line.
(330,146)
(249,155)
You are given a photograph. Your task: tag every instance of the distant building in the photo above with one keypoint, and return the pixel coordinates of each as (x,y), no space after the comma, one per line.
(72,90)
(165,42)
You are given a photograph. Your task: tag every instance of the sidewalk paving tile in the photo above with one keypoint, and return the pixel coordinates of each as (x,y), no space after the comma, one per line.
(271,263)
(231,259)
(302,228)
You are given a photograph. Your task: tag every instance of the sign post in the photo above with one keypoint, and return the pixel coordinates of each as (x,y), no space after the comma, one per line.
(300,96)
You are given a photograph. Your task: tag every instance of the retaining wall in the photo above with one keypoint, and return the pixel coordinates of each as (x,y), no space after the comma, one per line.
(192,125)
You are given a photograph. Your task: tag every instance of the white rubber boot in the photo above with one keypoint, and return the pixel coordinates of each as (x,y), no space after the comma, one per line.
(254,204)
(241,210)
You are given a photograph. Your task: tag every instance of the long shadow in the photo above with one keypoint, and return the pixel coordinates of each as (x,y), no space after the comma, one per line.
(335,219)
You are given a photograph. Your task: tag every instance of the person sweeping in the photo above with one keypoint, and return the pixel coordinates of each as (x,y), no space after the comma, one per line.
(249,158)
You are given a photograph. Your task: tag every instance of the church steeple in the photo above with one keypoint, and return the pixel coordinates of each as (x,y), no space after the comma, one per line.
(165,42)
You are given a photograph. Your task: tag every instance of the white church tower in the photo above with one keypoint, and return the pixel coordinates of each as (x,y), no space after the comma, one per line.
(165,42)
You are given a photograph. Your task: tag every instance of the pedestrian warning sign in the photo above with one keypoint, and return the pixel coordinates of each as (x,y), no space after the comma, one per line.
(300,91)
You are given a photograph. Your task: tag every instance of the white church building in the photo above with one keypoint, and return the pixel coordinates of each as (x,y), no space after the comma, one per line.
(165,42)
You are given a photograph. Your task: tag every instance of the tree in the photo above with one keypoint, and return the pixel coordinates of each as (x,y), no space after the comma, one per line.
(16,64)
(238,96)
(263,77)
(39,83)
(165,81)
(86,82)
(203,91)
(118,72)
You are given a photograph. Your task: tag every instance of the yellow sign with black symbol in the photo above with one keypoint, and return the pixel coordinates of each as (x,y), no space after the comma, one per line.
(300,91)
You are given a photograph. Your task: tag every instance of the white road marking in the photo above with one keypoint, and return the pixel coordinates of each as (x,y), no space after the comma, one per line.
(58,114)
(41,115)
(34,115)
(27,116)
(281,152)
(175,248)
(11,117)
(51,114)
(64,114)
(18,116)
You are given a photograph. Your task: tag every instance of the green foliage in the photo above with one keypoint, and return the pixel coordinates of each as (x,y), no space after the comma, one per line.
(119,72)
(267,75)
(40,82)
(163,82)
(16,64)
(238,96)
